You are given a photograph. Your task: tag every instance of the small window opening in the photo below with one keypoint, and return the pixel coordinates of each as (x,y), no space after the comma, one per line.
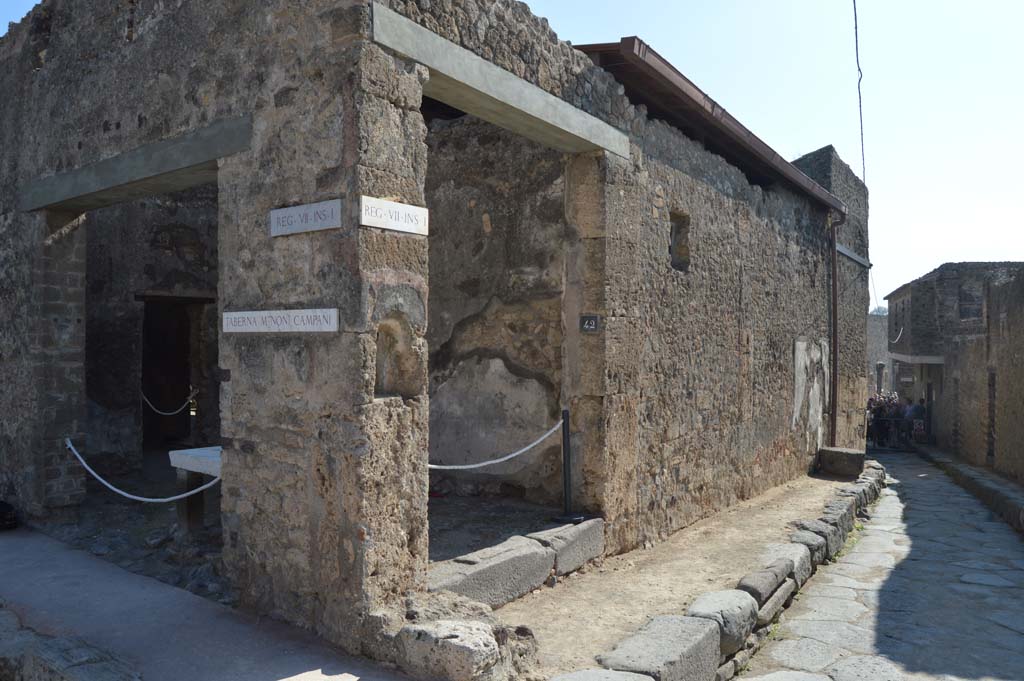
(679,248)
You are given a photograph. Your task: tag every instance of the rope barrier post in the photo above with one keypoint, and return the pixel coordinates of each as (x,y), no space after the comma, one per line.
(568,516)
(191,510)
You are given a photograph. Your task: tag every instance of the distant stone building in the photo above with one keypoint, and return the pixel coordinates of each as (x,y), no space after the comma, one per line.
(936,323)
(227,198)
(879,368)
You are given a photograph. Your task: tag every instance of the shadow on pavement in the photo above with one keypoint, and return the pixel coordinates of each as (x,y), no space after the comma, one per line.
(953,605)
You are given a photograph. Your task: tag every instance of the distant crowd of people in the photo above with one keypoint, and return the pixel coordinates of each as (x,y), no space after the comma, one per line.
(892,422)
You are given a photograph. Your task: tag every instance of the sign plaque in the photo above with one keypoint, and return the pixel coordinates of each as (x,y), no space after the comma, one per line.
(400,217)
(590,323)
(282,321)
(312,217)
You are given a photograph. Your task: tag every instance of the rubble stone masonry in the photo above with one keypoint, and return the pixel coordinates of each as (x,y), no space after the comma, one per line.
(706,384)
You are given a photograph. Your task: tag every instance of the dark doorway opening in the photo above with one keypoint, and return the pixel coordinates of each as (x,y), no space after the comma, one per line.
(166,373)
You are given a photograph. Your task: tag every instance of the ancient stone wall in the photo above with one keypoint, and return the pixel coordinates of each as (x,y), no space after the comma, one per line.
(878,353)
(324,492)
(827,169)
(153,248)
(979,412)
(703,356)
(495,332)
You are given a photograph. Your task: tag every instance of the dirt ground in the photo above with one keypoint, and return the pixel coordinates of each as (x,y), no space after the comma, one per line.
(588,612)
(461,525)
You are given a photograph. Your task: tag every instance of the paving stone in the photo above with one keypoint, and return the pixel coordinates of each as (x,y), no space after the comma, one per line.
(573,545)
(829,591)
(770,610)
(865,668)
(601,675)
(763,583)
(1010,620)
(848,636)
(735,612)
(815,544)
(870,559)
(448,649)
(798,553)
(820,608)
(986,579)
(669,648)
(805,654)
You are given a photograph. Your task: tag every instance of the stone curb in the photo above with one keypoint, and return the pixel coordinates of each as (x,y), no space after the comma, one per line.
(1002,497)
(770,590)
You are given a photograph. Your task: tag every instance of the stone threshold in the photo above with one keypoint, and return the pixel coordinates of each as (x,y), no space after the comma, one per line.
(722,630)
(1002,496)
(500,574)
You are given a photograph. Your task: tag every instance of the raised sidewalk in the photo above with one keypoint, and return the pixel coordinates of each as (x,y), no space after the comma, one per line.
(165,633)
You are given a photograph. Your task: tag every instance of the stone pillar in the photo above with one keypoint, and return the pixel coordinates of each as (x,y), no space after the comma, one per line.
(58,348)
(600,382)
(325,482)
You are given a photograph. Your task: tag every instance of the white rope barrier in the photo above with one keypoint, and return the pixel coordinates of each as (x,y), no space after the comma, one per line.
(513,455)
(146,500)
(169,413)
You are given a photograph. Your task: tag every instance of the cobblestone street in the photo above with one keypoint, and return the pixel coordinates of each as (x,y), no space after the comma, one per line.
(932,588)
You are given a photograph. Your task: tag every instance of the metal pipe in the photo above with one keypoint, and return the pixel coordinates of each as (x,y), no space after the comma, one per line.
(566,466)
(834,378)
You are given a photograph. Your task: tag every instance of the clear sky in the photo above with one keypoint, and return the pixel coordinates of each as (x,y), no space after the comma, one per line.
(942,102)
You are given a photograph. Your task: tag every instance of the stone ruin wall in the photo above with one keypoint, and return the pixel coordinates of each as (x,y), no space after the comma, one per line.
(878,351)
(168,245)
(705,359)
(495,325)
(961,422)
(324,505)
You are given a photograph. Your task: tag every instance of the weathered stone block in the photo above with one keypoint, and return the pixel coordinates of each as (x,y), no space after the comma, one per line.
(448,649)
(773,606)
(763,583)
(495,575)
(798,553)
(841,461)
(815,544)
(669,648)
(573,545)
(733,610)
(830,533)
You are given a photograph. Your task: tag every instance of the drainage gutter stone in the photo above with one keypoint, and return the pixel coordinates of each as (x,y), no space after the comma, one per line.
(773,606)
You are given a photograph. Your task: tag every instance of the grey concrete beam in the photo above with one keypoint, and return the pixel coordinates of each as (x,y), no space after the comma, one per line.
(156,168)
(470,83)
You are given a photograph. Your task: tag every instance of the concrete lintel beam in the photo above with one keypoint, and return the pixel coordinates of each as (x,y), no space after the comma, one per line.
(468,82)
(157,168)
